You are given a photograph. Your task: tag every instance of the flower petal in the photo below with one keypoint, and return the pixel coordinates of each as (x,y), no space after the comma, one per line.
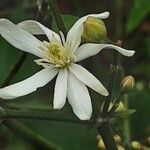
(20,38)
(89,49)
(37,28)
(60,89)
(28,85)
(79,98)
(88,79)
(75,33)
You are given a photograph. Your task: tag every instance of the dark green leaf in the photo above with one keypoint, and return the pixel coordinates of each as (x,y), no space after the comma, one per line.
(140,9)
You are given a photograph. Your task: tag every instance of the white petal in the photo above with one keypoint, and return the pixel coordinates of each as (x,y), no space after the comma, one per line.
(75,33)
(60,89)
(28,85)
(88,79)
(89,49)
(37,28)
(20,38)
(79,98)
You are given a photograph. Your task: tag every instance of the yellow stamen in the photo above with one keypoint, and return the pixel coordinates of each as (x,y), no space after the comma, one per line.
(56,53)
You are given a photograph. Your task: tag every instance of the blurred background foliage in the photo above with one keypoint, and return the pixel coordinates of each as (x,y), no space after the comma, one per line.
(134,29)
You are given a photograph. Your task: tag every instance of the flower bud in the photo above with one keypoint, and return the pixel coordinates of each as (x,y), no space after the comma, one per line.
(94,30)
(100,145)
(117,139)
(127,83)
(120,147)
(121,107)
(136,145)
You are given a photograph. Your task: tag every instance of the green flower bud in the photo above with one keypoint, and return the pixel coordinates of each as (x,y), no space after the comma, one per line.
(117,139)
(121,107)
(100,145)
(94,30)
(127,83)
(120,147)
(136,145)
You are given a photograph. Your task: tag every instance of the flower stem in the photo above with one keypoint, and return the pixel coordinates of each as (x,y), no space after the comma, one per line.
(30,136)
(111,83)
(107,136)
(15,68)
(104,128)
(126,128)
(41,114)
(57,15)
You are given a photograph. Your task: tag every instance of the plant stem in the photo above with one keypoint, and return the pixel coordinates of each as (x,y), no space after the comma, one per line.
(105,128)
(106,133)
(126,128)
(57,15)
(41,114)
(29,135)
(111,82)
(15,68)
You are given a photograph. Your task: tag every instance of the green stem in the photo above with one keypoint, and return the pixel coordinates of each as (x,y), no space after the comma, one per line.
(126,128)
(15,68)
(42,114)
(57,15)
(30,136)
(107,136)
(111,83)
(105,129)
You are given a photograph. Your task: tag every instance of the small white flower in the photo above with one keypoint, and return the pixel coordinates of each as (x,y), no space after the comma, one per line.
(57,56)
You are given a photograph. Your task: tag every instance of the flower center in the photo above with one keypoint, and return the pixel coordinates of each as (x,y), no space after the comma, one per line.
(55,53)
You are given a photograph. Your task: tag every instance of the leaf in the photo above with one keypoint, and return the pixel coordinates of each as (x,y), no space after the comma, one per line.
(140,9)
(69,20)
(125,114)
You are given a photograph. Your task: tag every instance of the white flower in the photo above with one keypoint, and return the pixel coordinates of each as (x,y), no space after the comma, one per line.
(57,56)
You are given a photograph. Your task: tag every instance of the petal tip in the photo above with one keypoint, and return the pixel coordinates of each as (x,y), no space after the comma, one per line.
(107,13)
(133,52)
(87,117)
(56,106)
(105,93)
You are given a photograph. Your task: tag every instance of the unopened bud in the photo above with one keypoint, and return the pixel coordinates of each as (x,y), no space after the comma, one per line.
(127,83)
(120,147)
(136,145)
(100,145)
(117,139)
(121,107)
(94,30)
(148,140)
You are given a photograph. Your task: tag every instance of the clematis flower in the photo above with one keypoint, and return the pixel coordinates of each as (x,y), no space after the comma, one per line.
(59,56)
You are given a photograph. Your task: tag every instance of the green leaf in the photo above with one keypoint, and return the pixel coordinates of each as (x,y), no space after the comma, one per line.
(140,9)
(125,114)
(69,20)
